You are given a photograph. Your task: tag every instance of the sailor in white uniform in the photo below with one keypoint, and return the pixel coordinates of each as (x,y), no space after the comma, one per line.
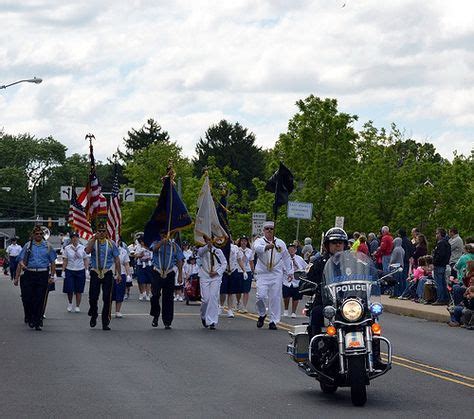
(273,262)
(213,265)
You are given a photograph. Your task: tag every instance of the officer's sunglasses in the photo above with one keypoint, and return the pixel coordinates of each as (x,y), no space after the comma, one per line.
(268,228)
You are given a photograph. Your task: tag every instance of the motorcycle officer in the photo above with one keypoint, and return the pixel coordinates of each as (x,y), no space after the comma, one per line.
(335,240)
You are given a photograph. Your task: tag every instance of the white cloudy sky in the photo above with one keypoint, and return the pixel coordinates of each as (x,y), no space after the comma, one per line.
(109,65)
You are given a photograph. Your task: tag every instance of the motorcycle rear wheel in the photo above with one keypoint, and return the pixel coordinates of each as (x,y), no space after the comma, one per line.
(357,377)
(328,388)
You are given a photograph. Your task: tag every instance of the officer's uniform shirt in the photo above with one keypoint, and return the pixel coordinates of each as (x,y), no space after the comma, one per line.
(75,257)
(42,255)
(106,262)
(13,250)
(245,255)
(298,265)
(272,264)
(165,261)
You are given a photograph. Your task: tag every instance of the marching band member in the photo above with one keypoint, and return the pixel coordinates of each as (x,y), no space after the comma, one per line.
(273,262)
(213,265)
(245,271)
(104,255)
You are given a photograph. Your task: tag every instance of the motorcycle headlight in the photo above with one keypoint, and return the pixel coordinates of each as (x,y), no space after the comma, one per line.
(352,310)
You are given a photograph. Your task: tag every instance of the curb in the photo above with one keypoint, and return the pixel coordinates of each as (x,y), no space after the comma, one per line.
(436,315)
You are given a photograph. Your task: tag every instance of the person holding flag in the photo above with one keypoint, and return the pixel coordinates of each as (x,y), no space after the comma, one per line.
(208,231)
(169,216)
(104,255)
(273,259)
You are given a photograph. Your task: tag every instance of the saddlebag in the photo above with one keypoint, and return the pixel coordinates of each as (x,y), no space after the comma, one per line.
(298,347)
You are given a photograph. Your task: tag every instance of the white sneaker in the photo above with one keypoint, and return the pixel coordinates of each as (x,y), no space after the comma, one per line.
(77,310)
(118,315)
(69,307)
(148,297)
(293,315)
(219,310)
(141,297)
(230,313)
(175,298)
(285,313)
(125,297)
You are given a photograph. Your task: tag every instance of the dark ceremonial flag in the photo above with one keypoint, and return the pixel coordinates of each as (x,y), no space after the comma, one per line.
(169,216)
(281,184)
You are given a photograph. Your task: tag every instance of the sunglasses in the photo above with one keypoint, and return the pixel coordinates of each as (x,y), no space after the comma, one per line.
(268,228)
(336,242)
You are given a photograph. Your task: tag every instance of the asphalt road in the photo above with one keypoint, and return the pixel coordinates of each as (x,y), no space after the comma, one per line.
(71,370)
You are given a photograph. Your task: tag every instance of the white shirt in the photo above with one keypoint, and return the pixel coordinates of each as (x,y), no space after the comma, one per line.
(233,265)
(14,250)
(272,264)
(190,269)
(245,255)
(220,263)
(187,254)
(75,257)
(299,264)
(144,256)
(124,258)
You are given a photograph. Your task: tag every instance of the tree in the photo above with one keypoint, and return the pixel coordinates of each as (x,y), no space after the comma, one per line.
(233,146)
(148,134)
(319,148)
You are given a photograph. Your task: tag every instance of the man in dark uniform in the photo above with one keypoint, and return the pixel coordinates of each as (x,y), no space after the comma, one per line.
(166,256)
(104,254)
(37,261)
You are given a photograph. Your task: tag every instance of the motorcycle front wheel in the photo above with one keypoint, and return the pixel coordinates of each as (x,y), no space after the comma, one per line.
(357,377)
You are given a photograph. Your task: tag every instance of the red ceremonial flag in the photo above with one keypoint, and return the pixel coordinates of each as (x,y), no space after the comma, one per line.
(114,217)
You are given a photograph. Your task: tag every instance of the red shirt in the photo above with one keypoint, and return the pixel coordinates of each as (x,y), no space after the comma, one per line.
(363,248)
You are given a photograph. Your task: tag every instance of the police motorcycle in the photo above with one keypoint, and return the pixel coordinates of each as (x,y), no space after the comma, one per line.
(347,352)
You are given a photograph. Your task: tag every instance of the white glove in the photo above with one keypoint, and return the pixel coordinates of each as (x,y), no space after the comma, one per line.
(246,276)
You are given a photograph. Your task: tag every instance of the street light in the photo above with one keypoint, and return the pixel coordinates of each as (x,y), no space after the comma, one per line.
(33,80)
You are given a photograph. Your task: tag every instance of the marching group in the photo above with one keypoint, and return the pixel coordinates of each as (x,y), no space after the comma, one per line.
(167,273)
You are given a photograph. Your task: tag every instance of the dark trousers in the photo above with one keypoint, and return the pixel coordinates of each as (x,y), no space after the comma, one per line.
(163,286)
(34,288)
(13,266)
(94,291)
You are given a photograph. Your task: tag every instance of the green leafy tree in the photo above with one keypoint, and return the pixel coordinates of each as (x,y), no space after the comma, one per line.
(234,146)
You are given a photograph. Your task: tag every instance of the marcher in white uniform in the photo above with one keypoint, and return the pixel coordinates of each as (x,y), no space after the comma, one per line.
(178,288)
(213,265)
(13,250)
(230,281)
(273,262)
(245,257)
(291,286)
(75,265)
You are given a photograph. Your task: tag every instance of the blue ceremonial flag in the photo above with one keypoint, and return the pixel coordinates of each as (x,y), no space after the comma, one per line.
(169,216)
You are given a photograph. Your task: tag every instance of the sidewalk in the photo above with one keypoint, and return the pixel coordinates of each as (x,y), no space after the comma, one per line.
(421,311)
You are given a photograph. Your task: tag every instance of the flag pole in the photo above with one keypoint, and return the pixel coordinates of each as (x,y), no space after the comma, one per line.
(275,215)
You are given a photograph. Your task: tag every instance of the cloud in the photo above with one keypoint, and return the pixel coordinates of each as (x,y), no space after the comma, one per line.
(188,64)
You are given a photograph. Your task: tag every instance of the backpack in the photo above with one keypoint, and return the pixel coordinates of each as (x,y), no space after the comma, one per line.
(429,292)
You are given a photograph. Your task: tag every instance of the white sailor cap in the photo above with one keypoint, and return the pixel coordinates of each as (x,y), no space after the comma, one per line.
(268,224)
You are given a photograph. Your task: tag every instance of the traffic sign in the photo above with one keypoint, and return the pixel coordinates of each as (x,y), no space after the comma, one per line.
(339,222)
(61,222)
(129,195)
(258,219)
(301,210)
(65,193)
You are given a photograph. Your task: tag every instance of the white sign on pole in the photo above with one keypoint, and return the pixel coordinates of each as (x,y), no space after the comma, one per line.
(65,193)
(129,195)
(61,222)
(339,222)
(258,219)
(302,210)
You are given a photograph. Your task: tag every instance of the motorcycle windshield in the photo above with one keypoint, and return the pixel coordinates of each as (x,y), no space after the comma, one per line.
(350,274)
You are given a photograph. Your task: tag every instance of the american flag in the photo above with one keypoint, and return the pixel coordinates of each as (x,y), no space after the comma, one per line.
(90,198)
(114,217)
(77,218)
